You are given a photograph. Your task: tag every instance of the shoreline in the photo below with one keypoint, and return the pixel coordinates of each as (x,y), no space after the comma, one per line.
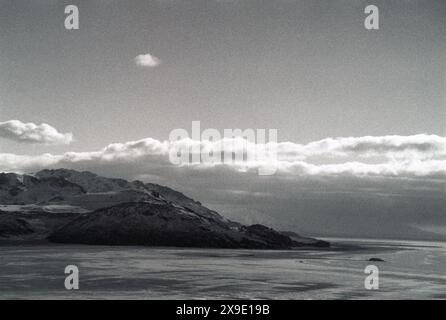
(334,246)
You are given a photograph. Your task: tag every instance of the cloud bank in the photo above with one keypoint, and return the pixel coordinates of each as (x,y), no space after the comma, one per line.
(33,133)
(383,186)
(147,60)
(388,156)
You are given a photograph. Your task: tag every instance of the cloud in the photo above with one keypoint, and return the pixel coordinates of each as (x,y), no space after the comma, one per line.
(419,146)
(33,133)
(359,187)
(393,156)
(147,60)
(440,230)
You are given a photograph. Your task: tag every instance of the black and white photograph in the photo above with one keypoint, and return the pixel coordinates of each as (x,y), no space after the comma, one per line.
(236,150)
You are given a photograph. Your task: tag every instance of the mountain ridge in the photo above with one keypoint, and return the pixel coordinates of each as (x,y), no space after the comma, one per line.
(111,211)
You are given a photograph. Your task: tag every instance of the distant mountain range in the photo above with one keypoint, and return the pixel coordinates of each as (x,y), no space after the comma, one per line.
(67,206)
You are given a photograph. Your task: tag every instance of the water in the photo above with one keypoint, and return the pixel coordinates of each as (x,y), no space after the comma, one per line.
(412,270)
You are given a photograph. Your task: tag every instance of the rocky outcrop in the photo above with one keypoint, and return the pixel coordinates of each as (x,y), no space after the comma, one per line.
(12,226)
(32,225)
(163,224)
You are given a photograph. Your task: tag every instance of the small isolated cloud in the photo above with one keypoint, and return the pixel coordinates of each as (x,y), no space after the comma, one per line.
(147,60)
(33,133)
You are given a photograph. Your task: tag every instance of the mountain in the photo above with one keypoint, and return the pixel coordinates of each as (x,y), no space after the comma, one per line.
(113,191)
(68,206)
(29,225)
(305,241)
(27,189)
(11,225)
(163,224)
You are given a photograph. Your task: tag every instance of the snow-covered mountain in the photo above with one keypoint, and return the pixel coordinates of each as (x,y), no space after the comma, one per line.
(100,210)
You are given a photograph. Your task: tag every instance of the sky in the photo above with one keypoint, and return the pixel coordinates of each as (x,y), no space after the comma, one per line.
(360,114)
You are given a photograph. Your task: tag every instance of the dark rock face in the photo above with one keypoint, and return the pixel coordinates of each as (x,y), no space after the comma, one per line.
(161,224)
(270,236)
(13,226)
(32,225)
